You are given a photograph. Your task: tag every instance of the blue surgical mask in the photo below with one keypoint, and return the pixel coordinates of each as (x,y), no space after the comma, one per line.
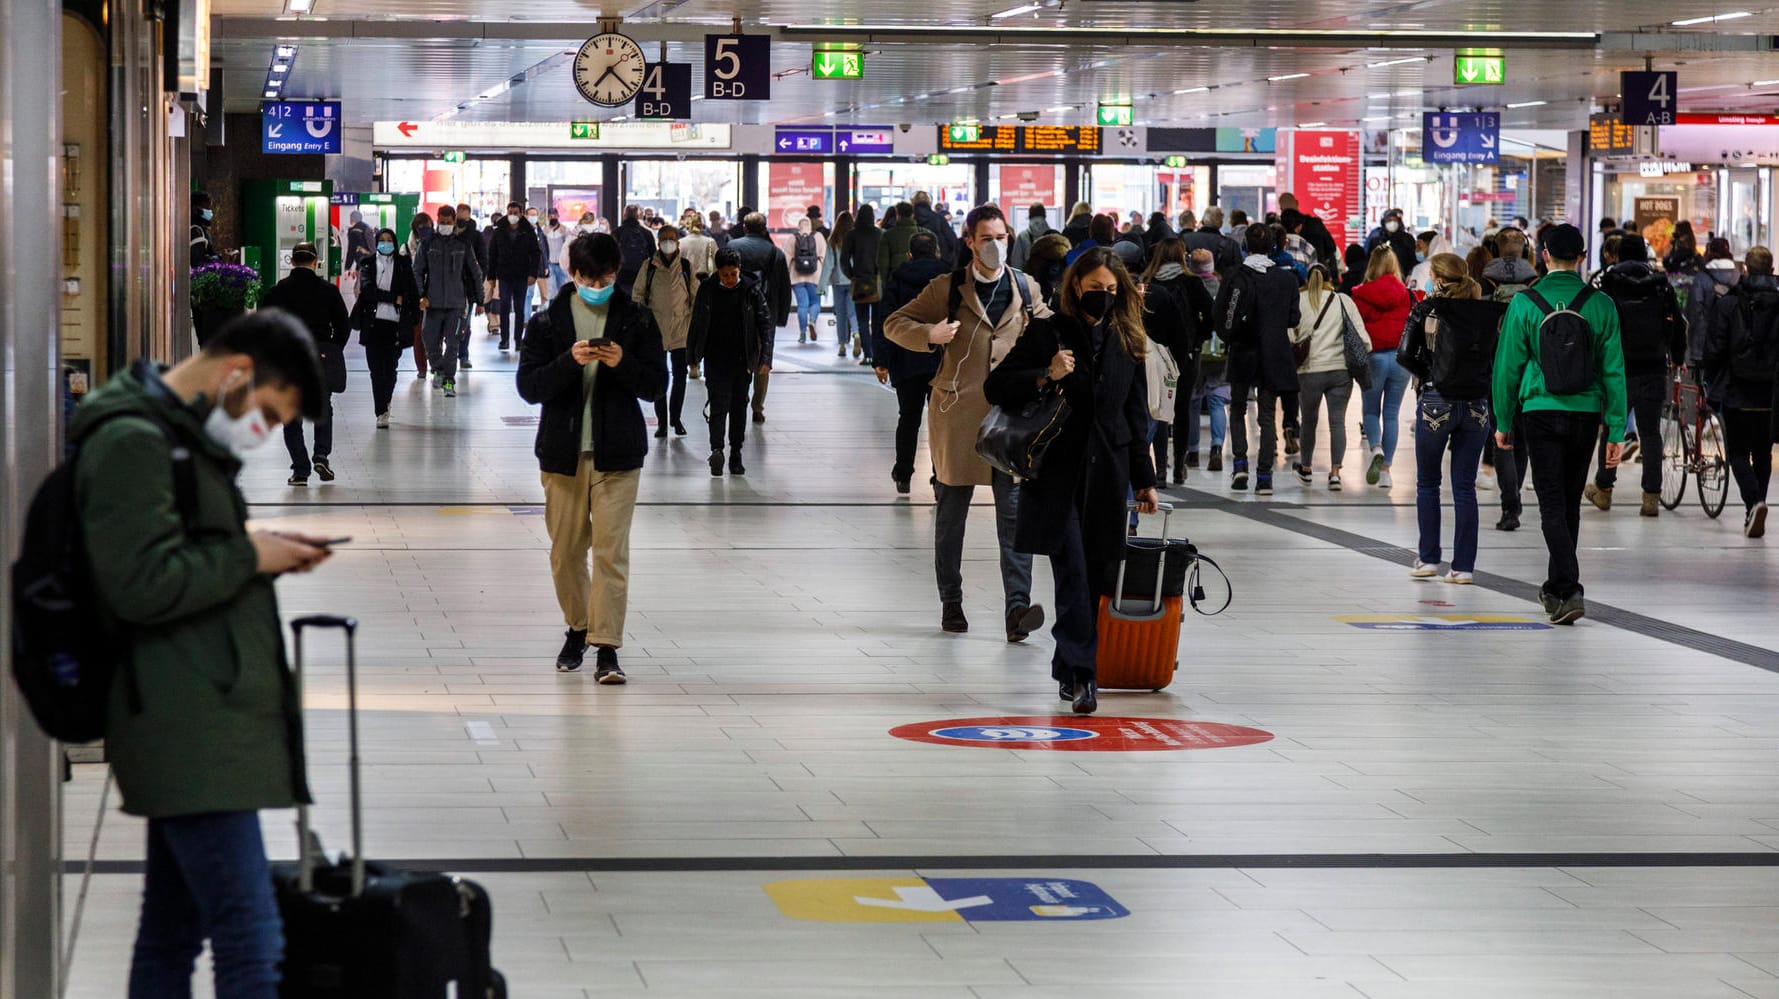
(1420,257)
(206,214)
(386,248)
(597,296)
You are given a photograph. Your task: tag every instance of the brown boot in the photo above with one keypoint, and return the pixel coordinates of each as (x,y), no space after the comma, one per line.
(1652,505)
(1601,498)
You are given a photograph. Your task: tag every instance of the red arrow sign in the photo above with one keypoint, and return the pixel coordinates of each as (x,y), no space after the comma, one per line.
(406,128)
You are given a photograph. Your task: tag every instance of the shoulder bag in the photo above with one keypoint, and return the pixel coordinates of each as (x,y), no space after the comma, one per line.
(1015,441)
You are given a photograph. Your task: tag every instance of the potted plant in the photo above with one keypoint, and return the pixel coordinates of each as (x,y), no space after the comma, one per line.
(220,291)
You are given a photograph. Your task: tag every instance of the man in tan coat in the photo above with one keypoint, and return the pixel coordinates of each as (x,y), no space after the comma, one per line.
(974,317)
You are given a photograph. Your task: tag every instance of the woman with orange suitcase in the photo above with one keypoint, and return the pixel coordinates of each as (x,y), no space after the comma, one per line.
(1074,512)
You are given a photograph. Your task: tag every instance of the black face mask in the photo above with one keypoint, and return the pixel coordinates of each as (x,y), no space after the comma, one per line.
(1096,305)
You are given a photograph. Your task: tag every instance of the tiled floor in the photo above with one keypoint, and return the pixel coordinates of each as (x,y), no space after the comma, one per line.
(783,623)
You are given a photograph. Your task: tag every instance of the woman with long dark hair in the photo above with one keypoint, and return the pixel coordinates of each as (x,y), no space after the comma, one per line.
(1092,351)
(858,262)
(834,277)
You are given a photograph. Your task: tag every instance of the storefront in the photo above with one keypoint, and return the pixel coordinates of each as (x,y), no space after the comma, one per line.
(1713,170)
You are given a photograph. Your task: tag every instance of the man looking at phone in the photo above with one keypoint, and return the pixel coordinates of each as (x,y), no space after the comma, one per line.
(587,360)
(204,726)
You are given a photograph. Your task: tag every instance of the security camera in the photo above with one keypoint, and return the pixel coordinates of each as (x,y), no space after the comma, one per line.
(1028,116)
(904,126)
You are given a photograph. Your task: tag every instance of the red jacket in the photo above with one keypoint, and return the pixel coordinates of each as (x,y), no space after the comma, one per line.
(1384,304)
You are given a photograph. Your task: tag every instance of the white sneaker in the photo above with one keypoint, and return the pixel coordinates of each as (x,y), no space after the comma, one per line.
(1460,578)
(1485,479)
(382,421)
(1383,478)
(1423,571)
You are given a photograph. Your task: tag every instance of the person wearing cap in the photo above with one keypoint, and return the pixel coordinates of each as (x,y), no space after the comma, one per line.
(1652,333)
(321,309)
(1559,431)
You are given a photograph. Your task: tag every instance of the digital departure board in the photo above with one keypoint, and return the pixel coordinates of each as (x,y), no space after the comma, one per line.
(1025,139)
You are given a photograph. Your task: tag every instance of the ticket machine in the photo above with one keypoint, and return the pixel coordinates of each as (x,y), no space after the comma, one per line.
(279,214)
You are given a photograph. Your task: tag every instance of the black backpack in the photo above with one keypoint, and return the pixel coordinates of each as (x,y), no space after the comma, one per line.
(1565,345)
(1238,326)
(63,661)
(1643,325)
(1754,337)
(805,261)
(1464,346)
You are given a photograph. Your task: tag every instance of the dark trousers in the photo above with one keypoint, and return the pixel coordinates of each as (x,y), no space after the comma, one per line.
(866,313)
(1290,403)
(1510,469)
(1158,444)
(1647,392)
(419,350)
(670,406)
(383,351)
(728,406)
(300,463)
(206,878)
(911,408)
(1748,437)
(1561,447)
(1077,619)
(513,302)
(1266,402)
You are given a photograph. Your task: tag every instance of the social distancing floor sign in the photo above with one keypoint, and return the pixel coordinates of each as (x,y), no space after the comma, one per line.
(942,900)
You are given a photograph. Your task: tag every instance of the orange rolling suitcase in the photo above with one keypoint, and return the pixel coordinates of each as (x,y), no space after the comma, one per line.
(1139,624)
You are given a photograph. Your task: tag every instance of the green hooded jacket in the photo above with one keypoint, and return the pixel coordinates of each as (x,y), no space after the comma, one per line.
(1519,381)
(893,251)
(204,715)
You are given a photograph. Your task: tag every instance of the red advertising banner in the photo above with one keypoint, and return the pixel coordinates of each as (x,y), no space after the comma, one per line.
(1025,185)
(792,188)
(1323,169)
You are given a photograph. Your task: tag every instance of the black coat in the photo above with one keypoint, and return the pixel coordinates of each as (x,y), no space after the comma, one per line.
(1077,229)
(512,251)
(933,222)
(635,245)
(907,367)
(1177,315)
(762,258)
(1761,292)
(1102,452)
(364,311)
(549,375)
(757,328)
(1225,252)
(315,302)
(1261,354)
(1400,242)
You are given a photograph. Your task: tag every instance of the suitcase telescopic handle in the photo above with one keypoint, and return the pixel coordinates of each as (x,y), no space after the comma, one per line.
(306,863)
(1166,510)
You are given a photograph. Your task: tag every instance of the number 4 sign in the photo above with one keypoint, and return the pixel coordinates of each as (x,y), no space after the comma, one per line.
(1649,98)
(666,91)
(737,67)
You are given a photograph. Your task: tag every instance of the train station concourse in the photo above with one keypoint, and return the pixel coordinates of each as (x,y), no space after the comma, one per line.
(832,501)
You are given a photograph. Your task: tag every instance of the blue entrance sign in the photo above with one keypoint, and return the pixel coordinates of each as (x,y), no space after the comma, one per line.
(865,140)
(1649,98)
(300,127)
(1461,138)
(1013,733)
(810,141)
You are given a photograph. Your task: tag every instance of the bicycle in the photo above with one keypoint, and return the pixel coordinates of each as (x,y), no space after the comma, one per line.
(1692,443)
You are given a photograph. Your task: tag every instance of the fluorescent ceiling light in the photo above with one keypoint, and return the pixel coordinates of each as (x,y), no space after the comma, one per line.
(1004,117)
(1395,62)
(286,51)
(274,84)
(299,6)
(1024,8)
(1360,37)
(1059,110)
(1287,76)
(271,93)
(1763,83)
(1377,117)
(1715,86)
(281,67)
(1731,16)
(1528,104)
(1192,90)
(1312,124)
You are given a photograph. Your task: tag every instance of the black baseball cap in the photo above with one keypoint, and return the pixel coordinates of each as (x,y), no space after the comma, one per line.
(1564,242)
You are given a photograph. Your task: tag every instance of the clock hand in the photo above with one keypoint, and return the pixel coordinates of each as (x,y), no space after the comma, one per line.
(609,70)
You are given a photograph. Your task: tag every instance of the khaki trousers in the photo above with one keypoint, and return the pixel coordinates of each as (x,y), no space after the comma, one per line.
(590,512)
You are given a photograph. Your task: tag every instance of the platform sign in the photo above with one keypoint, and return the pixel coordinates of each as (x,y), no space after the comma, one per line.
(1443,622)
(1116,115)
(1081,733)
(666,91)
(805,141)
(298,128)
(1479,69)
(737,67)
(837,66)
(865,140)
(1650,98)
(943,900)
(1461,138)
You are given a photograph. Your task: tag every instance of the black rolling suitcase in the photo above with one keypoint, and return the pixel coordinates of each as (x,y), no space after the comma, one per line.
(357,930)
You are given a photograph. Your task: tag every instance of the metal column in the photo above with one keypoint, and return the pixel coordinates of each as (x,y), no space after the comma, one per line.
(30,394)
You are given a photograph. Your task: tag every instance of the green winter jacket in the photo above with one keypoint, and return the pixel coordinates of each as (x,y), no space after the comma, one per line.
(204,715)
(1519,381)
(892,252)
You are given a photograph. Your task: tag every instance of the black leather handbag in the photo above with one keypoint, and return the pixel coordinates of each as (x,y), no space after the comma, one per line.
(333,366)
(1015,441)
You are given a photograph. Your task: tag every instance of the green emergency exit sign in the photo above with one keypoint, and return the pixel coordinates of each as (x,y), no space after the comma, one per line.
(964,132)
(838,66)
(938,159)
(1116,115)
(583,130)
(1487,69)
(454,156)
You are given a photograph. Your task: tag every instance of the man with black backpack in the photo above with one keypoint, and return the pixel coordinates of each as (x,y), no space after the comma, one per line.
(171,631)
(1653,333)
(1256,311)
(762,260)
(1559,373)
(1741,365)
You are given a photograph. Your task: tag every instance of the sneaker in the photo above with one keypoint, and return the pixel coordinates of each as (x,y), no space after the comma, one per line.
(1383,479)
(1568,611)
(1216,462)
(382,421)
(1303,474)
(1179,475)
(1548,602)
(1460,578)
(951,619)
(437,380)
(297,480)
(692,372)
(1291,444)
(1629,454)
(464,363)
(841,352)
(605,667)
(1424,570)
(735,466)
(323,469)
(1334,482)
(802,338)
(1652,505)
(1192,460)
(1022,621)
(1601,498)
(1376,468)
(1262,487)
(1508,522)
(1485,479)
(904,484)
(716,464)
(1239,480)
(504,348)
(1755,525)
(450,389)
(574,650)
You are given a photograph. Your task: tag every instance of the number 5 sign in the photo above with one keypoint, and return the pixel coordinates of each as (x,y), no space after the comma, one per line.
(666,91)
(737,67)
(1649,98)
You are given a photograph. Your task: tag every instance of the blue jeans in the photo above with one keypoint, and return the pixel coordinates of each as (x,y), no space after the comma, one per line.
(1462,428)
(809,305)
(843,313)
(952,512)
(1218,398)
(1383,402)
(558,278)
(207,878)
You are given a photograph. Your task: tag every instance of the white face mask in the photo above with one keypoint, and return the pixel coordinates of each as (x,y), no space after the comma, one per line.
(669,247)
(240,434)
(512,220)
(1392,226)
(990,255)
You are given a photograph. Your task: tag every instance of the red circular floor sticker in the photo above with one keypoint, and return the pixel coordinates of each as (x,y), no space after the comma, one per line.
(1081,733)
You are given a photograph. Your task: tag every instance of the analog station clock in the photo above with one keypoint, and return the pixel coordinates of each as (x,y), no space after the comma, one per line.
(609,68)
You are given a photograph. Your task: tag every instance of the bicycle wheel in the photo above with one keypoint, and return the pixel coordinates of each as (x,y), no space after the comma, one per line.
(1713,469)
(1676,459)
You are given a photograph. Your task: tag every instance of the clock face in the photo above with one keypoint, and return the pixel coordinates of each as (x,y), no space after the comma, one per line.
(609,68)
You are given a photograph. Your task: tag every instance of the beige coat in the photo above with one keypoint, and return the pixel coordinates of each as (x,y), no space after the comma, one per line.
(662,287)
(958,407)
(701,250)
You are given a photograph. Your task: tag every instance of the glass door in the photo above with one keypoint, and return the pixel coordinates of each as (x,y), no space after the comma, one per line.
(1746,216)
(669,188)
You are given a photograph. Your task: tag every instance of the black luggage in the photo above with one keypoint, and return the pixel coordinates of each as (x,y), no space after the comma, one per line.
(357,930)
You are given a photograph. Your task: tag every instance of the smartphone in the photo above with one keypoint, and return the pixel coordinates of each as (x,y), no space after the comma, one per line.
(600,342)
